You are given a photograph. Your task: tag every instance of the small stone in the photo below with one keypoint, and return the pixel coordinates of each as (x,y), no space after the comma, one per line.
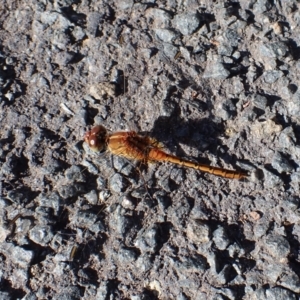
(291,282)
(84,218)
(281,164)
(272,76)
(170,51)
(274,50)
(260,102)
(144,263)
(20,256)
(198,232)
(117,183)
(159,18)
(220,238)
(93,21)
(126,255)
(166,35)
(262,6)
(193,263)
(63,58)
(215,70)
(41,234)
(291,202)
(52,200)
(124,4)
(278,293)
(226,110)
(186,23)
(146,241)
(271,180)
(92,197)
(78,33)
(278,246)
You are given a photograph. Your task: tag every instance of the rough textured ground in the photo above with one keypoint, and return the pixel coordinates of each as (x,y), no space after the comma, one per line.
(213,81)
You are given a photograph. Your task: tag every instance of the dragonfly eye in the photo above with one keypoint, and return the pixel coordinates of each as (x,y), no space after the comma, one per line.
(96,138)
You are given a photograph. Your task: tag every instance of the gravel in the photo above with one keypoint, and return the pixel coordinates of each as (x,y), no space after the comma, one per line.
(213,81)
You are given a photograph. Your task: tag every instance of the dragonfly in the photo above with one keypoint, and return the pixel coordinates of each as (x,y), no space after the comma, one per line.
(134,146)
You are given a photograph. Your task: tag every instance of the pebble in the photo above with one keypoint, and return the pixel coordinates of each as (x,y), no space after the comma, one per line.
(166,35)
(117,183)
(64,58)
(281,163)
(274,49)
(84,218)
(186,23)
(220,238)
(126,256)
(193,263)
(17,255)
(215,70)
(290,281)
(92,197)
(260,101)
(198,232)
(41,234)
(278,246)
(272,76)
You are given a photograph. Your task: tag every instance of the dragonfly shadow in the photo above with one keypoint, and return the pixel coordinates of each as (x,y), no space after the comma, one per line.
(200,134)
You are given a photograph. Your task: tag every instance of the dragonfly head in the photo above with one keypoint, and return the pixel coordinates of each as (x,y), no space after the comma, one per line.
(96,138)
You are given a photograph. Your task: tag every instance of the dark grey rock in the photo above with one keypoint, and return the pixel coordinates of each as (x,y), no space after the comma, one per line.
(220,238)
(124,4)
(60,39)
(260,101)
(215,70)
(84,218)
(262,6)
(278,246)
(41,234)
(93,21)
(92,197)
(19,255)
(118,222)
(291,202)
(271,180)
(274,49)
(71,190)
(281,163)
(226,109)
(272,76)
(225,49)
(291,282)
(78,33)
(144,263)
(193,263)
(52,200)
(287,138)
(102,291)
(44,214)
(126,255)
(70,293)
(275,293)
(198,232)
(147,240)
(170,50)
(63,58)
(166,35)
(187,23)
(159,18)
(260,229)
(118,183)
(17,197)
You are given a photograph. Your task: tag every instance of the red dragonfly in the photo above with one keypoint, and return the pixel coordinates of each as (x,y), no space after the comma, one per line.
(132,145)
